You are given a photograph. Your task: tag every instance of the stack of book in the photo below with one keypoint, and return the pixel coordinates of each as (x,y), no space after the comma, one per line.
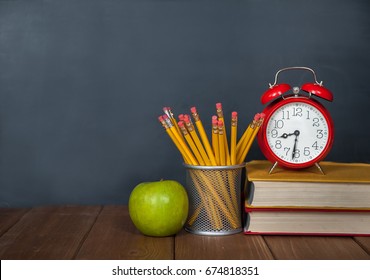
(307,202)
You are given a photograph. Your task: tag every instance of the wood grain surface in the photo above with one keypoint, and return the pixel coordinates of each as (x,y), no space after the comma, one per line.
(107,233)
(115,237)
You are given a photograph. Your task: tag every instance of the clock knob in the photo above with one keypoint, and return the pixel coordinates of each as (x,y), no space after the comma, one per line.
(296,90)
(318,90)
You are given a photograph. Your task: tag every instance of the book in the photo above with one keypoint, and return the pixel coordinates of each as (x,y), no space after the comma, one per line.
(327,222)
(343,186)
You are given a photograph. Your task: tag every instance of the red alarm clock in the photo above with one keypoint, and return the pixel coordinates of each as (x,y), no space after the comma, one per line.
(298,131)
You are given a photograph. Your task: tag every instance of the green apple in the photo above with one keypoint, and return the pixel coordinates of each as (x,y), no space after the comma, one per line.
(159,208)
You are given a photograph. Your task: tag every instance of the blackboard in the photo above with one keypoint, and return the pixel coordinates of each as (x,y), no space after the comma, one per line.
(82,83)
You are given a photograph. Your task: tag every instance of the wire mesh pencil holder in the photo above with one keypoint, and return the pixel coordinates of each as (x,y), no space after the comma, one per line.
(214,199)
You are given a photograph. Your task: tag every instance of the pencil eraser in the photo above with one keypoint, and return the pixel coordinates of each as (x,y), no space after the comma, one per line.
(193,110)
(186,118)
(165,117)
(181,124)
(214,121)
(262,115)
(181,117)
(165,109)
(218,106)
(234,114)
(256,116)
(160,118)
(220,123)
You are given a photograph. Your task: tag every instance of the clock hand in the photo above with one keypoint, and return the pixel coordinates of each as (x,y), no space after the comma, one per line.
(286,135)
(296,133)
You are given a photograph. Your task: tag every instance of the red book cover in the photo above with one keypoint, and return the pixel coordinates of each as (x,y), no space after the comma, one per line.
(307,221)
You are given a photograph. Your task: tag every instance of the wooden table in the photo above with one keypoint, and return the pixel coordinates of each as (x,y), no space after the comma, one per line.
(106,232)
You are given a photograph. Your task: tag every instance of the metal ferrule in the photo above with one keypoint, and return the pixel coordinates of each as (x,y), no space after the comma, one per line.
(195,116)
(169,123)
(184,130)
(189,126)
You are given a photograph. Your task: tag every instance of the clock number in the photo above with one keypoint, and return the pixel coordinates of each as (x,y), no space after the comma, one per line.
(306,151)
(278,144)
(319,134)
(278,124)
(316,122)
(315,146)
(308,115)
(286,149)
(296,154)
(286,115)
(274,133)
(297,112)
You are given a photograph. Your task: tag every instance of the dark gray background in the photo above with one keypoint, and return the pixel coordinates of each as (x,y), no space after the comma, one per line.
(82,84)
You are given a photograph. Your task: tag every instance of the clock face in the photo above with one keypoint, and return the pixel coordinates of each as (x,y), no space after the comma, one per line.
(297,133)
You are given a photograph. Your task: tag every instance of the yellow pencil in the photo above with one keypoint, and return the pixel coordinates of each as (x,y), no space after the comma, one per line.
(215,144)
(174,140)
(180,141)
(203,135)
(220,116)
(190,127)
(246,135)
(234,124)
(168,112)
(251,139)
(221,143)
(191,143)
